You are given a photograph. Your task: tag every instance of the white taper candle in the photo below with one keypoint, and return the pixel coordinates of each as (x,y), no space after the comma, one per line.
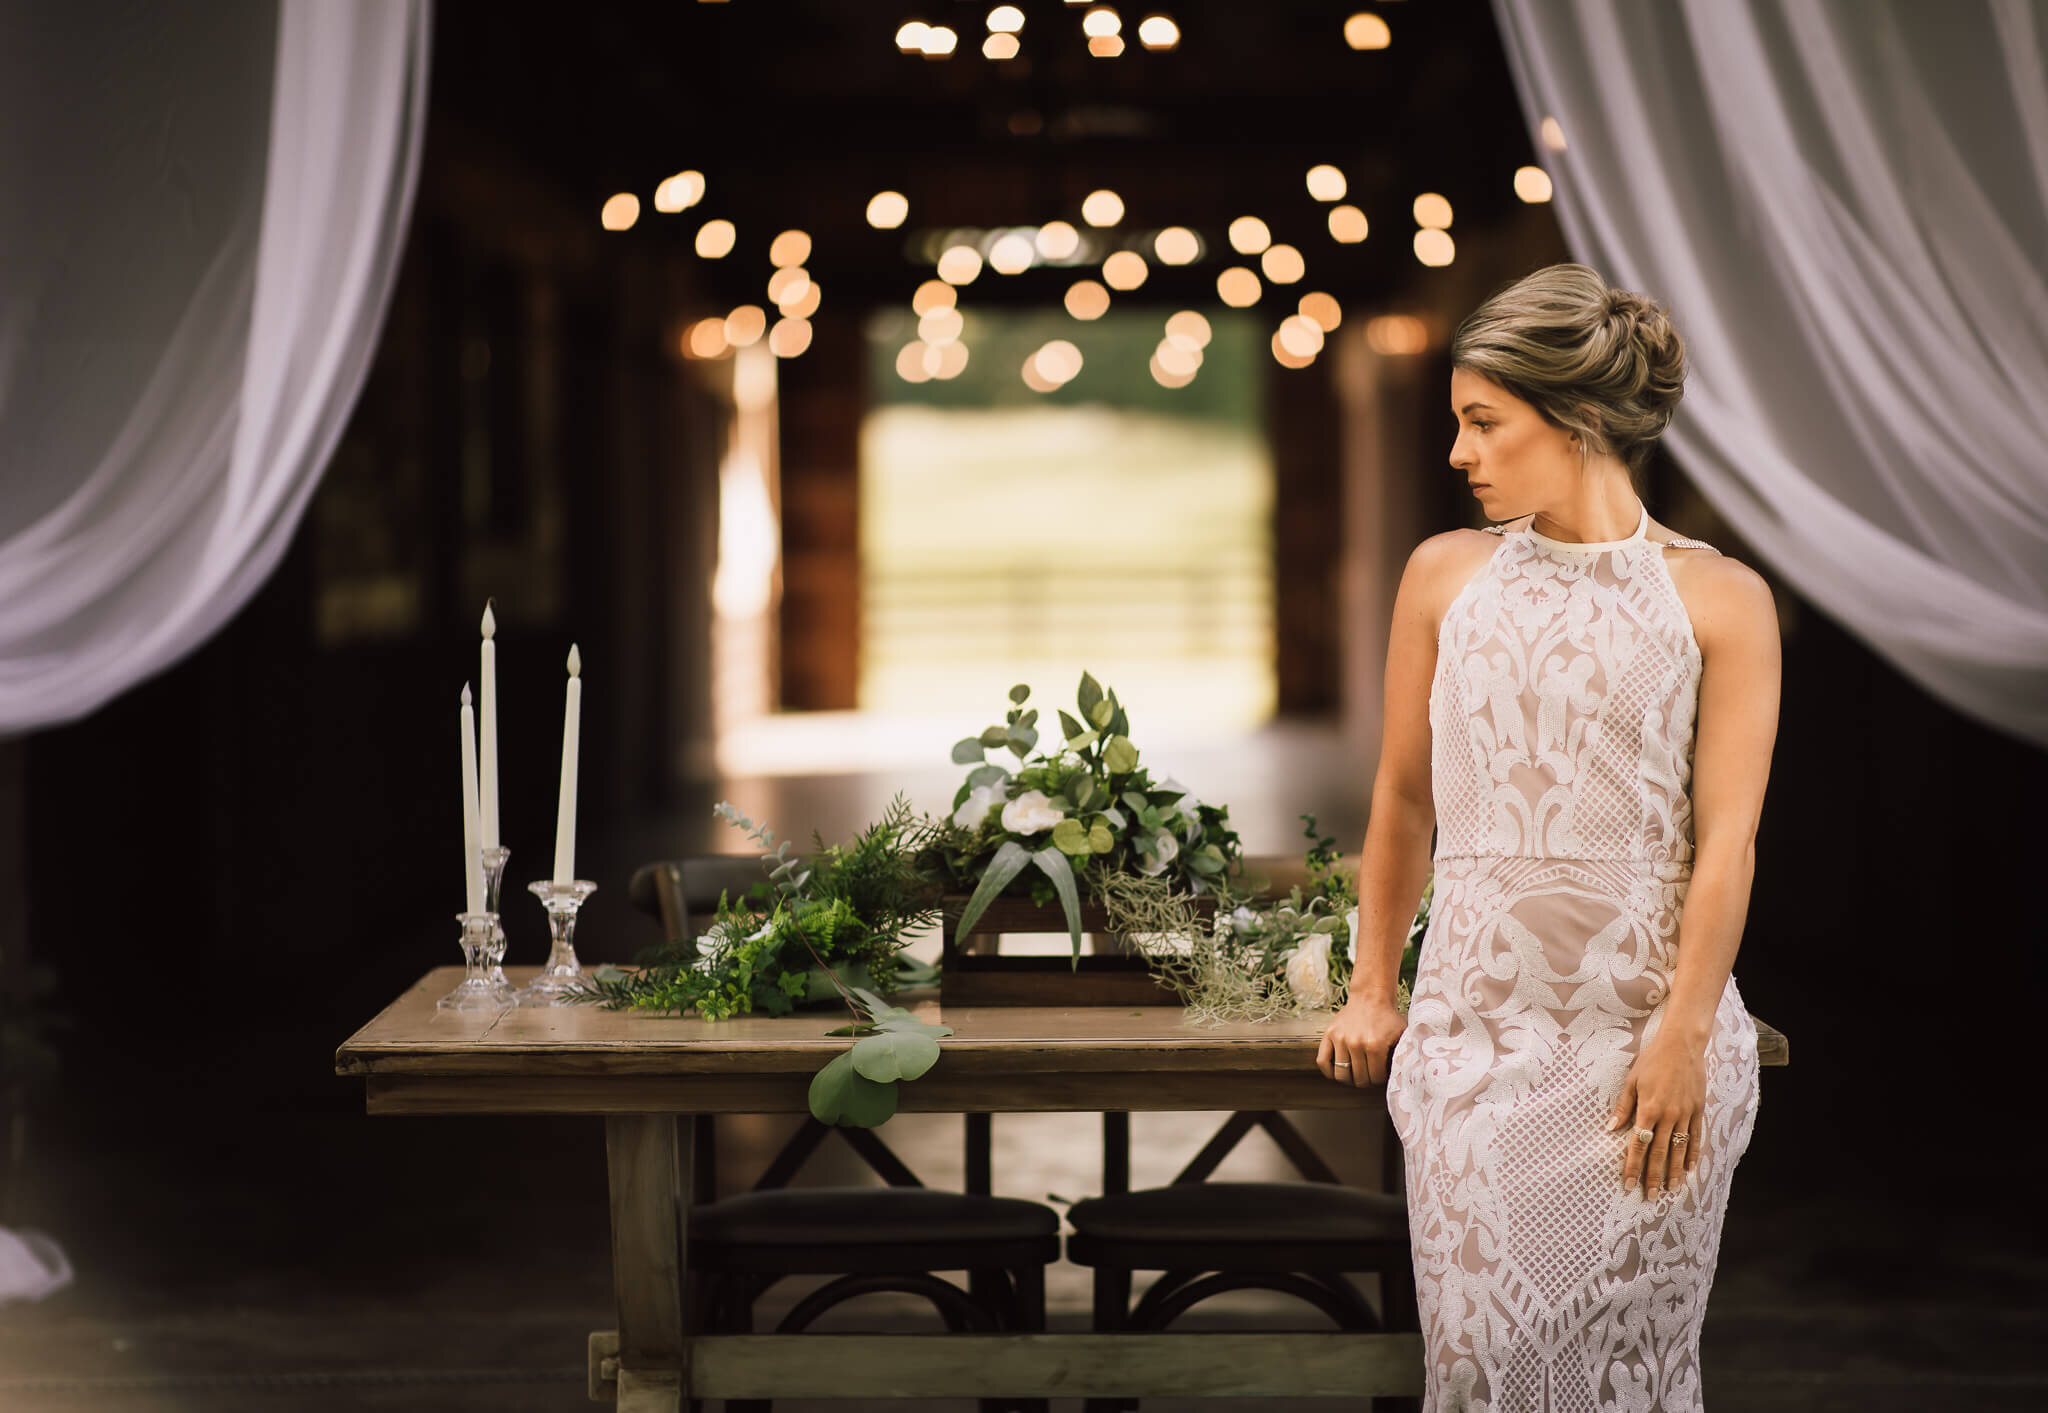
(565,814)
(472,854)
(488,732)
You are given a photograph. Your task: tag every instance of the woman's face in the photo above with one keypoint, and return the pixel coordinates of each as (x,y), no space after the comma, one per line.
(1517,461)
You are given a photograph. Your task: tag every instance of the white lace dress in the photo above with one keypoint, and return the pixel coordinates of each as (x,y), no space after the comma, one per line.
(1562,716)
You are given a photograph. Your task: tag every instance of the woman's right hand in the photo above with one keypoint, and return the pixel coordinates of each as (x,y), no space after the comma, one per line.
(1360,1042)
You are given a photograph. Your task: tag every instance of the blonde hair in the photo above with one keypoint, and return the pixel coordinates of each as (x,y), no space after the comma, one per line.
(1604,363)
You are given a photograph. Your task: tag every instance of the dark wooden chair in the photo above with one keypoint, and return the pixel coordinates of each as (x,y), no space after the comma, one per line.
(1302,1238)
(891,1238)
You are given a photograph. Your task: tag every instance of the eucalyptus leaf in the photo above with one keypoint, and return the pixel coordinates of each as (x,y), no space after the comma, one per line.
(869,999)
(1136,801)
(1070,836)
(1069,729)
(1009,861)
(1120,756)
(1099,838)
(1081,742)
(1054,865)
(1021,739)
(989,774)
(907,1022)
(1083,790)
(840,1094)
(1114,817)
(1090,694)
(894,1055)
(1202,863)
(1100,714)
(967,752)
(1030,718)
(995,737)
(1019,692)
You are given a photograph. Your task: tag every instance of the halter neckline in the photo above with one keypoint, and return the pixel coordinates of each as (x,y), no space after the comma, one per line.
(1641,533)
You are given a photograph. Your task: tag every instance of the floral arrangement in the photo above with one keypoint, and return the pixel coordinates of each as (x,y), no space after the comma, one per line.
(1081,815)
(1256,961)
(813,929)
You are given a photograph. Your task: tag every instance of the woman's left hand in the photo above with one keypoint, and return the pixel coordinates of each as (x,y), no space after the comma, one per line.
(1666,1092)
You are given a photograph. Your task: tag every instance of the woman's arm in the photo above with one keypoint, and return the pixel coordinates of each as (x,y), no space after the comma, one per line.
(1736,624)
(1393,865)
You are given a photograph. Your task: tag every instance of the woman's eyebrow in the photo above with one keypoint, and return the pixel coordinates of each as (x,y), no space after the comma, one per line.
(1467,408)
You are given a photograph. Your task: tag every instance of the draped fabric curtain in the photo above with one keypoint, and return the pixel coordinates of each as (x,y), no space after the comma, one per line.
(202,206)
(1845,205)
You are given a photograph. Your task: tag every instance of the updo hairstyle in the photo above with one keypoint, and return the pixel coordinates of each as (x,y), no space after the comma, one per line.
(1604,363)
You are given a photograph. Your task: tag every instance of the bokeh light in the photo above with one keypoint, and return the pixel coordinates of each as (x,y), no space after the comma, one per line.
(999,47)
(1011,254)
(1176,245)
(1058,362)
(1249,235)
(1283,264)
(1367,32)
(1396,334)
(934,294)
(1101,22)
(620,212)
(1435,247)
(1287,357)
(941,326)
(1532,184)
(1176,359)
(706,339)
(788,286)
(887,210)
(910,37)
(1105,46)
(1432,211)
(1158,32)
(1553,134)
(1056,240)
(910,363)
(939,42)
(1347,225)
(1188,330)
(959,265)
(715,239)
(1238,287)
(1167,379)
(1087,300)
(1125,270)
(1301,336)
(1102,208)
(789,337)
(789,248)
(1005,19)
(1323,309)
(745,325)
(1326,183)
(679,192)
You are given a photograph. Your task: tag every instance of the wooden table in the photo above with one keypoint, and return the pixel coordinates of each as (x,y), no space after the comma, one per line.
(639,1073)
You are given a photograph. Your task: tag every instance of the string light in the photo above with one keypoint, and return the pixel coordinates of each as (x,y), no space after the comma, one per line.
(1287,357)
(941,326)
(789,248)
(1176,359)
(1432,211)
(1056,240)
(620,212)
(1532,184)
(1106,46)
(1326,183)
(939,42)
(1553,134)
(1323,309)
(1011,254)
(959,265)
(679,192)
(910,363)
(790,337)
(1058,362)
(1101,22)
(910,38)
(1283,264)
(1396,334)
(745,325)
(1347,225)
(1249,235)
(1167,379)
(952,362)
(1188,329)
(706,339)
(1005,19)
(1238,287)
(1087,300)
(887,210)
(788,286)
(1102,208)
(1158,32)
(1125,270)
(715,239)
(1000,47)
(1176,245)
(1367,32)
(1301,337)
(934,294)
(805,307)
(1434,247)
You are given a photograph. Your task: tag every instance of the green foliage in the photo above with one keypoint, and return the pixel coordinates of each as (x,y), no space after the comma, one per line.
(858,1087)
(1091,810)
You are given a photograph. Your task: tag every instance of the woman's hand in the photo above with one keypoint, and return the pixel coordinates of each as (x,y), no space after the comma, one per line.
(1666,1092)
(1360,1041)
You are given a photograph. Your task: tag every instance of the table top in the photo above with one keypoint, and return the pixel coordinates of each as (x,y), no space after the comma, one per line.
(584,1059)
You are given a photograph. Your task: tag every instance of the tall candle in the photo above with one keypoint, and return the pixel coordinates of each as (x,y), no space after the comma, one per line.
(488,797)
(565,813)
(472,856)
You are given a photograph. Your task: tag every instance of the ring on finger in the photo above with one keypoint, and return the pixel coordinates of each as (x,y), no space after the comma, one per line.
(1646,1135)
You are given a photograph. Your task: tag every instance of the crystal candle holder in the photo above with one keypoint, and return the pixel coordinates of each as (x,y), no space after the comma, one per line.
(476,993)
(563,974)
(494,880)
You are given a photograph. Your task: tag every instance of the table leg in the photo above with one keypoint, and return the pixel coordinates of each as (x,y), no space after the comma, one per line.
(649,1160)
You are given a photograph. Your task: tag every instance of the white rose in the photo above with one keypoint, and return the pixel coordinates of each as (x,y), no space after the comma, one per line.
(1031,812)
(1187,804)
(1164,851)
(1308,971)
(974,809)
(1244,919)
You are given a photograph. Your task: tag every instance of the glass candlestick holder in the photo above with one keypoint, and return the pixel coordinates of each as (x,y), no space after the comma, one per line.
(494,880)
(479,932)
(563,974)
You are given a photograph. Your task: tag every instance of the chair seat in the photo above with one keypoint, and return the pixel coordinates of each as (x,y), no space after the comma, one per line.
(1249,1213)
(868,1216)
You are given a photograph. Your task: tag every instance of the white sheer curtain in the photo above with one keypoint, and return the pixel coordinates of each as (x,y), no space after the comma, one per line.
(1845,203)
(201,211)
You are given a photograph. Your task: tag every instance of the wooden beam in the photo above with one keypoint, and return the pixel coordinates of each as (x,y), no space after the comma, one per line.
(649,1158)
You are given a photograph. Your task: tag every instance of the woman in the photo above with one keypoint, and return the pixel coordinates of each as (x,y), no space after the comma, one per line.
(1583,706)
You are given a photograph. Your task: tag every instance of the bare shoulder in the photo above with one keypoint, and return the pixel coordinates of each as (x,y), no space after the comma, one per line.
(1729,602)
(1444,562)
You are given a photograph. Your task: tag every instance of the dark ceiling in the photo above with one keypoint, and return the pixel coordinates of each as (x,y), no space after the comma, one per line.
(797,111)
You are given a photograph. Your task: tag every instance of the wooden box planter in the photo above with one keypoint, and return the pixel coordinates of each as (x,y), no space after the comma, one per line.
(1110,972)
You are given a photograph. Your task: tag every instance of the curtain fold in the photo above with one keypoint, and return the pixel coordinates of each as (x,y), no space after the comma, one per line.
(197,256)
(1845,205)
